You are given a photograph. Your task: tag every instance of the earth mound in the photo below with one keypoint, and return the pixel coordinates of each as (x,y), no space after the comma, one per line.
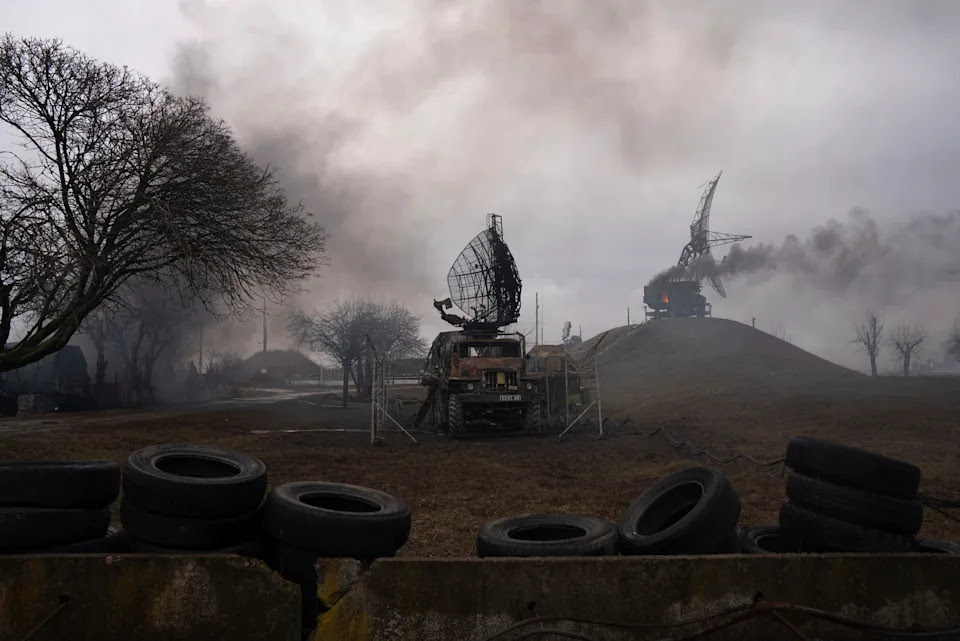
(704,357)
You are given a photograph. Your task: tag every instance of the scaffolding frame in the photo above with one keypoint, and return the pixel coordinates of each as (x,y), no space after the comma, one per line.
(380,397)
(589,380)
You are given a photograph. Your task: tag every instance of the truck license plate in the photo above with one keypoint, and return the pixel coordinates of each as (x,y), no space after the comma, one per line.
(509,397)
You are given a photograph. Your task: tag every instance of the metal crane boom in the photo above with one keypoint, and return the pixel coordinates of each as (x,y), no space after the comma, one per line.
(702,239)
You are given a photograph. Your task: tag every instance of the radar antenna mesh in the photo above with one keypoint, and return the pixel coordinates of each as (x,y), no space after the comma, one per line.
(484,281)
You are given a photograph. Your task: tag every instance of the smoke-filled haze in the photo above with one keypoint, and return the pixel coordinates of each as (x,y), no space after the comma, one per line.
(590,127)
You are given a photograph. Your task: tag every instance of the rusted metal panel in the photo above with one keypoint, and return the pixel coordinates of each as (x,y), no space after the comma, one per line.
(474,367)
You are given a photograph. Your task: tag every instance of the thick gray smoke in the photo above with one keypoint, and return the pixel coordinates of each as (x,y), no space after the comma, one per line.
(586,124)
(458,109)
(850,257)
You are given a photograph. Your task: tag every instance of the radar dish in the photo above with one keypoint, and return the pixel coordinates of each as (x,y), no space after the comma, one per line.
(483,280)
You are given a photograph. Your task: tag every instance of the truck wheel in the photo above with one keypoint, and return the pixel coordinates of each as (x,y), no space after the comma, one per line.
(455,421)
(532,423)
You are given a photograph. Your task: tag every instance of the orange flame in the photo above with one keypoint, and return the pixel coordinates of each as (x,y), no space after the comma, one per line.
(664,298)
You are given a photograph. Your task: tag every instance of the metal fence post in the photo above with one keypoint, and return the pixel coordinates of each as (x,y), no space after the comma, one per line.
(596,368)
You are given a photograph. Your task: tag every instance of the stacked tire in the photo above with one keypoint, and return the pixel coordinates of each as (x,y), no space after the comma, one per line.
(189,498)
(59,507)
(845,499)
(312,519)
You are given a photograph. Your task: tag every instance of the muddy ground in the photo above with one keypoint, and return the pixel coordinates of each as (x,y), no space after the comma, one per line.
(456,486)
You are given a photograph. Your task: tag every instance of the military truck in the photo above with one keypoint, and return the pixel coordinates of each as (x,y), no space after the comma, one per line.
(479,380)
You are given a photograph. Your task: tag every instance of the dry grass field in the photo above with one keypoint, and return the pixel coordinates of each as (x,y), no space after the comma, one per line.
(750,403)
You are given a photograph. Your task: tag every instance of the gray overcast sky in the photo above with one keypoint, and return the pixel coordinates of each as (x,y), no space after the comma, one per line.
(588,125)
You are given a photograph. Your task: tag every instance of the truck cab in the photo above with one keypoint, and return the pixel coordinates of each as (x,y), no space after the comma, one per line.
(480,380)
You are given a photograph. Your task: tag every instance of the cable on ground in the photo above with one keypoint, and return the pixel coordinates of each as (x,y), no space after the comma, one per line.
(699,451)
(723,620)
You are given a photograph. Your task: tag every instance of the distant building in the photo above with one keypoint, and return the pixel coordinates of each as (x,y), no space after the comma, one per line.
(61,378)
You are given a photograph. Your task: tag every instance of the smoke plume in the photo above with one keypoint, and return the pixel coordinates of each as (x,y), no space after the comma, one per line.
(850,256)
(400,123)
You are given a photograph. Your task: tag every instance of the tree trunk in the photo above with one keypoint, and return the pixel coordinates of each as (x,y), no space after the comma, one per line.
(873,365)
(361,378)
(148,363)
(100,376)
(368,392)
(346,383)
(906,364)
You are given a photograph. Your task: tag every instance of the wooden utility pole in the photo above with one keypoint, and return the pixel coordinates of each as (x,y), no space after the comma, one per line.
(536,319)
(264,324)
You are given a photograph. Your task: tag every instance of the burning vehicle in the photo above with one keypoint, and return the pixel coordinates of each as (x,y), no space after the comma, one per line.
(477,377)
(676,292)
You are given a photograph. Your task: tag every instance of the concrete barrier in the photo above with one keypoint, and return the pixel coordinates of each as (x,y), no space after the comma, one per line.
(147,598)
(47,598)
(470,599)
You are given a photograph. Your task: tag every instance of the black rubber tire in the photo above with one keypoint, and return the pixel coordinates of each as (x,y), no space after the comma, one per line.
(234,484)
(853,467)
(115,541)
(532,419)
(535,535)
(254,548)
(931,546)
(183,532)
(729,543)
(455,420)
(59,484)
(36,528)
(336,519)
(768,539)
(855,506)
(690,512)
(827,534)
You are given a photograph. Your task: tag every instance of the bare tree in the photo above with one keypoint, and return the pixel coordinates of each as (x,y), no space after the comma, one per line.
(341,332)
(869,338)
(96,326)
(113,177)
(394,332)
(905,341)
(224,372)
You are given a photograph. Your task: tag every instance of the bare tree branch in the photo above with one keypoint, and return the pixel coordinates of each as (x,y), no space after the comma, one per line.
(869,338)
(114,178)
(341,333)
(905,341)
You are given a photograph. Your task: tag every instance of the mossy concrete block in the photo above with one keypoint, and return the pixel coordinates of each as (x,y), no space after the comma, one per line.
(466,599)
(146,598)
